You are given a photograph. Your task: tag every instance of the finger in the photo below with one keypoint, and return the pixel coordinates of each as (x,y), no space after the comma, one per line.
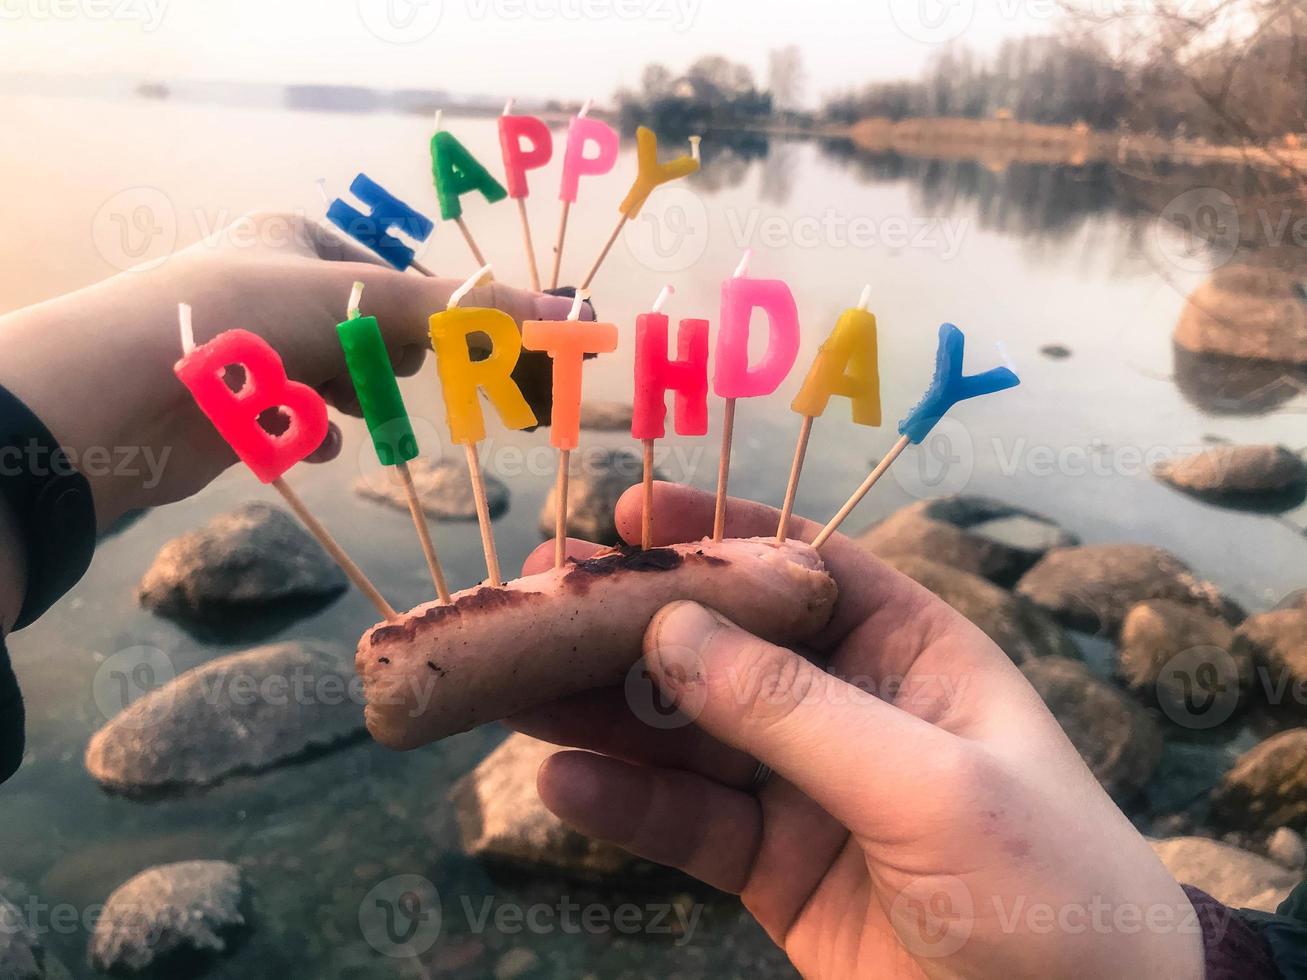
(848,750)
(602,721)
(330,447)
(542,558)
(674,818)
(869,590)
(408,359)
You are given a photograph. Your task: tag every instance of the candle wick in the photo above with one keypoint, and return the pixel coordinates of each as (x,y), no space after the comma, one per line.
(864,300)
(744,263)
(440,113)
(577,300)
(585,109)
(322,190)
(694,147)
(665,292)
(508,107)
(355,298)
(1007,359)
(187,328)
(457,295)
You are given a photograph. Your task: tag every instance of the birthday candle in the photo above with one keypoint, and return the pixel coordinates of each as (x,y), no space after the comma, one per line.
(236,414)
(378,391)
(656,374)
(650,173)
(372,230)
(461,377)
(948,387)
(457,172)
(517,161)
(567,342)
(733,376)
(583,133)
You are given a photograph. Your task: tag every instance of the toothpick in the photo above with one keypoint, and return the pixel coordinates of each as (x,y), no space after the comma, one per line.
(483,515)
(728,434)
(861,492)
(608,247)
(528,245)
(561,484)
(457,295)
(471,242)
(558,245)
(646,514)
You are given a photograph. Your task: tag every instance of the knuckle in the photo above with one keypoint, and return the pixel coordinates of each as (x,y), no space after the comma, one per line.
(772,682)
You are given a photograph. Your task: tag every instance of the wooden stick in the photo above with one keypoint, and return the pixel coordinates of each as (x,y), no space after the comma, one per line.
(483,515)
(724,470)
(417,266)
(646,512)
(424,532)
(792,488)
(558,245)
(608,247)
(332,548)
(861,492)
(471,242)
(560,508)
(530,247)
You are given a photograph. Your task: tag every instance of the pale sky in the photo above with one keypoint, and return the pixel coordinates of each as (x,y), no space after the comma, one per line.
(544,48)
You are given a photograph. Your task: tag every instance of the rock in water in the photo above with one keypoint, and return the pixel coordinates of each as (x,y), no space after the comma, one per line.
(1116,737)
(1250,311)
(444,487)
(974,534)
(255,557)
(1267,788)
(1183,660)
(1238,474)
(22,957)
(1276,642)
(1286,848)
(1092,587)
(1022,630)
(1229,874)
(596,481)
(501,818)
(605,416)
(169,920)
(243,712)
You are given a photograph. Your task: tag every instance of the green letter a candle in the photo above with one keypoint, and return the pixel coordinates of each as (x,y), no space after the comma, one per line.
(458,172)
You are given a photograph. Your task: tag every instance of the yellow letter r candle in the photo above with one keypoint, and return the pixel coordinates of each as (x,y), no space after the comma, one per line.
(460,376)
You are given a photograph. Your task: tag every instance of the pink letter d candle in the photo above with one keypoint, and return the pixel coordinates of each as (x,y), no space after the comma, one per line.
(733,376)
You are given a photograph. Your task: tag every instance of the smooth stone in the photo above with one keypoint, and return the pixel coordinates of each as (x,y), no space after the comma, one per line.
(501,819)
(516,963)
(1224,385)
(255,557)
(1092,587)
(444,488)
(244,712)
(170,921)
(1267,787)
(1183,660)
(1056,352)
(975,534)
(1286,848)
(1023,631)
(1294,600)
(1248,310)
(1239,878)
(1116,737)
(597,479)
(22,955)
(1233,473)
(1276,643)
(606,416)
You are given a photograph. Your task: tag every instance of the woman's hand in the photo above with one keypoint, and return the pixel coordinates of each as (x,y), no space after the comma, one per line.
(927,816)
(96,366)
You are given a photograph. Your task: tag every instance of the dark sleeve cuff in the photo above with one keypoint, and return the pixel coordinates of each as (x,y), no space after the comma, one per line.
(11,718)
(1233,950)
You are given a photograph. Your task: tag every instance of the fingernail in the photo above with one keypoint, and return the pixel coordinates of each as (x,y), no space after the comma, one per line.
(681,631)
(553,307)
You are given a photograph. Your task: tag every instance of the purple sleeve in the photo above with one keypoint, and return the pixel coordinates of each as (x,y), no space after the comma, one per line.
(1232,949)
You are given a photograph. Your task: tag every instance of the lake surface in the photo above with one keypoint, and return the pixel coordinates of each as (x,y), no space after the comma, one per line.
(1027,256)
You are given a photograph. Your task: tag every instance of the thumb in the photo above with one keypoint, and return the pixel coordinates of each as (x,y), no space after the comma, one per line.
(845,748)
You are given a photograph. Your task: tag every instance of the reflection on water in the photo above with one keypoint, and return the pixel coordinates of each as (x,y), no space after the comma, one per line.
(1045,255)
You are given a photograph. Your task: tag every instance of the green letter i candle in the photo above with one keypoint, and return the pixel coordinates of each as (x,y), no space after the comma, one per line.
(378,391)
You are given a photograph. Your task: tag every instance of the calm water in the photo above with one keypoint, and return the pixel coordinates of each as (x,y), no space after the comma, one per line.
(1028,256)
